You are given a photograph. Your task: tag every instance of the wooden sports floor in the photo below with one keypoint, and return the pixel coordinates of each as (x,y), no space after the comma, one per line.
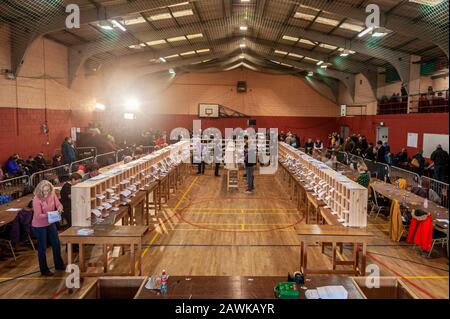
(204,230)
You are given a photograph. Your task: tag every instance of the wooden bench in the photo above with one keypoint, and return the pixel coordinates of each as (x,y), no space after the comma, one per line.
(106,236)
(311,234)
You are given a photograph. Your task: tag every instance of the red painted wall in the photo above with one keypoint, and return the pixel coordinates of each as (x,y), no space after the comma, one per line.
(20,130)
(399,126)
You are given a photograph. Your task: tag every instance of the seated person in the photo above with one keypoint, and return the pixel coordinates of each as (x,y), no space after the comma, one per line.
(364,176)
(40,163)
(309,145)
(402,157)
(13,167)
(57,161)
(65,194)
(2,176)
(91,170)
(329,160)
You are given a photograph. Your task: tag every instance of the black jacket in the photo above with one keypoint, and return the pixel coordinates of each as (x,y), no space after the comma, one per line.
(439,157)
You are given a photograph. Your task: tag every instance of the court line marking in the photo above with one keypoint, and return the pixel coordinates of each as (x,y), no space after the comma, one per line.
(174,209)
(235,213)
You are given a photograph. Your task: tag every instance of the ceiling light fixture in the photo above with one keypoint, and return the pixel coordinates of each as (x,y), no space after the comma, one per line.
(364,32)
(310,73)
(243,28)
(162,59)
(379,32)
(118,25)
(345,52)
(319,63)
(172,71)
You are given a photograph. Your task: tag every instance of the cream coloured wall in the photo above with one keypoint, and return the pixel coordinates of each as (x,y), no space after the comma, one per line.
(268,95)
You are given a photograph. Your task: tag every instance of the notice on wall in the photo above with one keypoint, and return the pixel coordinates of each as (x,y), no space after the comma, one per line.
(73,133)
(412,140)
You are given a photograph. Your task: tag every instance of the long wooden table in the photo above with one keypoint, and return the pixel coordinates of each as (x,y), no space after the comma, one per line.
(413,201)
(106,236)
(237,287)
(334,235)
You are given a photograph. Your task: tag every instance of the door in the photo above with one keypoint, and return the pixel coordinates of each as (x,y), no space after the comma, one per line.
(382,134)
(344,132)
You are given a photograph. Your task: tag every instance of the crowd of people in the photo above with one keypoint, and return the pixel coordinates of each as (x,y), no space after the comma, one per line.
(380,152)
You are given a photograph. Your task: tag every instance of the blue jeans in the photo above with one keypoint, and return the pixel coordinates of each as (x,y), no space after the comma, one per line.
(249,171)
(440,172)
(50,232)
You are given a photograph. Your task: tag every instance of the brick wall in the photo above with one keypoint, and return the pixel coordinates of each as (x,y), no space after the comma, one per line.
(20,130)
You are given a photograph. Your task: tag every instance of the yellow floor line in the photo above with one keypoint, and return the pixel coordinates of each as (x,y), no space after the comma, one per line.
(230,224)
(200,209)
(236,213)
(33,278)
(174,209)
(425,277)
(237,230)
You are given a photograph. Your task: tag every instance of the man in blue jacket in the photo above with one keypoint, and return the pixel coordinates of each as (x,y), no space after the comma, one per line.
(68,150)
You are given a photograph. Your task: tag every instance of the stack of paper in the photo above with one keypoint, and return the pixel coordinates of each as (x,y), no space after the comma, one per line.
(85,231)
(332,292)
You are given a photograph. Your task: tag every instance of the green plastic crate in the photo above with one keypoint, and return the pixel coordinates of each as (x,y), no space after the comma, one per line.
(286,290)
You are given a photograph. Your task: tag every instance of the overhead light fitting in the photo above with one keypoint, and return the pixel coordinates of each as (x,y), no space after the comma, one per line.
(105,25)
(319,63)
(379,32)
(162,59)
(242,45)
(427,2)
(172,71)
(100,106)
(345,52)
(118,25)
(325,65)
(132,104)
(243,28)
(242,57)
(310,73)
(364,32)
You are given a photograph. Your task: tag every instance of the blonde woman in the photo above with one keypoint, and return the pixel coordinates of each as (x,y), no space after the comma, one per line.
(44,201)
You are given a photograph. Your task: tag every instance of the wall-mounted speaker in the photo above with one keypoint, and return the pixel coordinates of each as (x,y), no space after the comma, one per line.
(242,86)
(251,122)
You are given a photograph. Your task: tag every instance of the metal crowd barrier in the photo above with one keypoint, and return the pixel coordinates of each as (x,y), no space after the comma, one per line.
(439,187)
(148,149)
(413,179)
(342,157)
(105,159)
(74,165)
(15,187)
(120,154)
(380,170)
(83,152)
(54,175)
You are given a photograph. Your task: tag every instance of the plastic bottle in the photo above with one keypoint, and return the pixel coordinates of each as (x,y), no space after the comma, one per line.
(425,203)
(164,283)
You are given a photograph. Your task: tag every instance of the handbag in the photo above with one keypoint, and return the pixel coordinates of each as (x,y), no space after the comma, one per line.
(415,163)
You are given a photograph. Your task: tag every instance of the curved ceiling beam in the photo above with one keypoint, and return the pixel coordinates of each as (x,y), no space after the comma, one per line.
(339,62)
(226,26)
(394,22)
(55,20)
(347,78)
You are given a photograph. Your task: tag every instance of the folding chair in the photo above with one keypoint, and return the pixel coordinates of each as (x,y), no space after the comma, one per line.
(439,237)
(375,202)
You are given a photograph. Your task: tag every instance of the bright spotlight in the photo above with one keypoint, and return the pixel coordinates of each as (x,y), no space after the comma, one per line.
(100,106)
(132,104)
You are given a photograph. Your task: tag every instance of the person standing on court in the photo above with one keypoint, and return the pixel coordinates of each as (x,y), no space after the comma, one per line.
(68,150)
(217,155)
(249,161)
(440,161)
(45,201)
